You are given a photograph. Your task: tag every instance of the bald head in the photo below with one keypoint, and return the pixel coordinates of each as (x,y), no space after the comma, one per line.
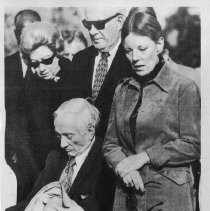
(23,18)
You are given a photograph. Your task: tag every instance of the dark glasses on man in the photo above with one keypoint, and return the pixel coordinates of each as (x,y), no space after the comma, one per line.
(47,61)
(99,25)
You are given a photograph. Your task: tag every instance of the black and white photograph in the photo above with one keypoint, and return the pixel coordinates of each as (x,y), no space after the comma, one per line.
(101,106)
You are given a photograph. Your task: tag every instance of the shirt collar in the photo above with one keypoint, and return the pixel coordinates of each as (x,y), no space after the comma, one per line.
(113,51)
(83,156)
(163,79)
(24,64)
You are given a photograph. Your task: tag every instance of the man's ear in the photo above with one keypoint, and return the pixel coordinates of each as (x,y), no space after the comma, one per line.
(160,45)
(120,20)
(91,132)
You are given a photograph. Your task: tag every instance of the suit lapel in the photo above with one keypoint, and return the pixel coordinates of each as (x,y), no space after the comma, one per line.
(91,67)
(19,69)
(87,76)
(89,161)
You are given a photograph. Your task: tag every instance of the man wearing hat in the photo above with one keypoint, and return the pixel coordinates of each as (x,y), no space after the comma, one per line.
(96,73)
(70,177)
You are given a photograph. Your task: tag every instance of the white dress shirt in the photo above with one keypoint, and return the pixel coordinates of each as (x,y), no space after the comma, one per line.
(80,160)
(110,59)
(24,66)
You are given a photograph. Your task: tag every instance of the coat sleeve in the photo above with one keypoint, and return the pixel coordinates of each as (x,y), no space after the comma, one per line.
(186,149)
(40,182)
(111,148)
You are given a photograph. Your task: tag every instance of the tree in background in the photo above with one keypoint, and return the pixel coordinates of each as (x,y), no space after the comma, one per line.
(182,33)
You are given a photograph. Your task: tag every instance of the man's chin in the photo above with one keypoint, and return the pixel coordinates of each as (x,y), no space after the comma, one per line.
(99,46)
(71,154)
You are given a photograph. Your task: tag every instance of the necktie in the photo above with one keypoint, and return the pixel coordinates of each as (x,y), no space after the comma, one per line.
(101,72)
(67,174)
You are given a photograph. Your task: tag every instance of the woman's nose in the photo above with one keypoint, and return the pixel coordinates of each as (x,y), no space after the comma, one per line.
(136,55)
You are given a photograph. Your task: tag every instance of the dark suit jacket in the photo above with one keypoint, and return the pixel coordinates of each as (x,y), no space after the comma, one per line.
(85,182)
(83,66)
(18,152)
(39,99)
(13,86)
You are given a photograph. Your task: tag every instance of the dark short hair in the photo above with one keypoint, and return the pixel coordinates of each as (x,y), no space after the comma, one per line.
(142,23)
(70,35)
(31,13)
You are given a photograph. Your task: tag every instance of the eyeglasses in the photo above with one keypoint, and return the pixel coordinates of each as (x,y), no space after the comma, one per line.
(99,25)
(47,61)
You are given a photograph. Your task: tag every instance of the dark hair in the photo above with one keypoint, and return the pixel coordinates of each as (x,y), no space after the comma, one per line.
(70,35)
(148,10)
(31,13)
(142,23)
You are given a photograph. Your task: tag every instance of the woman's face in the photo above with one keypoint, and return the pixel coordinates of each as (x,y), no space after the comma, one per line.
(142,52)
(70,49)
(44,62)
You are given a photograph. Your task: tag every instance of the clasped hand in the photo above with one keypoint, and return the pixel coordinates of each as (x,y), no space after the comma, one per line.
(52,197)
(128,168)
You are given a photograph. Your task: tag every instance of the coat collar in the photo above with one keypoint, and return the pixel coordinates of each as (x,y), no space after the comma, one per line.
(89,161)
(162,80)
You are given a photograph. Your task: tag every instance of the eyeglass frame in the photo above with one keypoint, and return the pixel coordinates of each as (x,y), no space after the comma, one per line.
(88,24)
(43,61)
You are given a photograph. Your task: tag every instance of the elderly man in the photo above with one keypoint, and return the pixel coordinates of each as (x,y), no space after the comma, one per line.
(18,152)
(100,67)
(96,73)
(73,171)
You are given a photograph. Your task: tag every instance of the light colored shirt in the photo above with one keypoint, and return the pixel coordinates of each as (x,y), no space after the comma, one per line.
(24,66)
(80,160)
(110,59)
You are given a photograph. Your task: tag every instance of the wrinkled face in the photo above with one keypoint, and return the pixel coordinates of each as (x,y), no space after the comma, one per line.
(70,49)
(72,141)
(142,52)
(104,39)
(43,60)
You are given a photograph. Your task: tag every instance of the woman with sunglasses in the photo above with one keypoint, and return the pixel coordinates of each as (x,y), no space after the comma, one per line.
(46,84)
(153,134)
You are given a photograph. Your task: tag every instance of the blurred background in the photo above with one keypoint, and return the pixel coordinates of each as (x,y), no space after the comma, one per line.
(181,26)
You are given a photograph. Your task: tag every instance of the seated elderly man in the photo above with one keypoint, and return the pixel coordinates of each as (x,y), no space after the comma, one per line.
(69,179)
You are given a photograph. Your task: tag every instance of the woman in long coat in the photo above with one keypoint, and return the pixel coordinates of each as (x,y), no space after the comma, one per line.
(154,126)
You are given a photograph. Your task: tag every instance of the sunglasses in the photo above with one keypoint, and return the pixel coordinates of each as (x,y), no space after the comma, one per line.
(47,61)
(99,25)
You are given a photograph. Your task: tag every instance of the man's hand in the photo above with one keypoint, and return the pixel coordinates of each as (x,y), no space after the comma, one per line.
(133,179)
(44,196)
(132,163)
(56,205)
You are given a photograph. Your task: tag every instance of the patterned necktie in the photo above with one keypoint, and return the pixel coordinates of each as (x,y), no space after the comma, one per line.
(67,174)
(101,72)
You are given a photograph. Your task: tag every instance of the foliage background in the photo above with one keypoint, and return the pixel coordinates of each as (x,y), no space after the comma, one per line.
(181,26)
